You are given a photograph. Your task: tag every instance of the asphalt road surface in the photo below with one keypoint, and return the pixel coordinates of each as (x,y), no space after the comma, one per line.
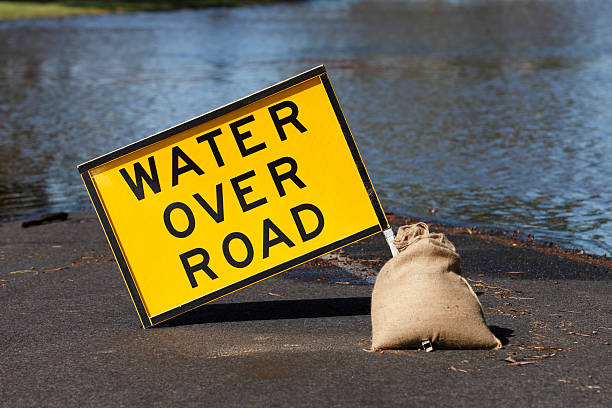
(70,335)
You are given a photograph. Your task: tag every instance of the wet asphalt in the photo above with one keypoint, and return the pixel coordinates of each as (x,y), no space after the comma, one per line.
(71,337)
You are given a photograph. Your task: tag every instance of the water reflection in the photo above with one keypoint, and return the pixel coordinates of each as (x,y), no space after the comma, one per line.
(495,112)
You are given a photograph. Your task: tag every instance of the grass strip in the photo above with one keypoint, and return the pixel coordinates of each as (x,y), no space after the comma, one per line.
(66,8)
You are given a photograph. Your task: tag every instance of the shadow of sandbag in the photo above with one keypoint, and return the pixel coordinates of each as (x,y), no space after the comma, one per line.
(502,333)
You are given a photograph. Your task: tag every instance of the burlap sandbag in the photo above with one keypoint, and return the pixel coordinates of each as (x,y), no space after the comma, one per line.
(420,295)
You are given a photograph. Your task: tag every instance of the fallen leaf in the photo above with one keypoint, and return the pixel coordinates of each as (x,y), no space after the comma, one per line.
(452,367)
(22,271)
(273,294)
(513,362)
(542,356)
(55,269)
(580,334)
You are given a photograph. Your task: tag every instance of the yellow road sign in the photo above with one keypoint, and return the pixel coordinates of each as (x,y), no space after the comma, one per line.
(234,196)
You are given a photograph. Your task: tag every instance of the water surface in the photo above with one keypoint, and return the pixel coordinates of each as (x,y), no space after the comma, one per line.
(493,112)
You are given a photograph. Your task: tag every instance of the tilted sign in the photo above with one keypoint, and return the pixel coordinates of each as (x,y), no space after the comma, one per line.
(234,196)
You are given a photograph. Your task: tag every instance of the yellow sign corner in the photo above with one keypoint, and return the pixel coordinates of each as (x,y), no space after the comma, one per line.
(234,196)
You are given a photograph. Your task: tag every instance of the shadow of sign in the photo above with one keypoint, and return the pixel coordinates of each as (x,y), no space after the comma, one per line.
(271,310)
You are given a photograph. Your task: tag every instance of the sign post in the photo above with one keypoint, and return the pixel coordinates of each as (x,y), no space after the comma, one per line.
(233,197)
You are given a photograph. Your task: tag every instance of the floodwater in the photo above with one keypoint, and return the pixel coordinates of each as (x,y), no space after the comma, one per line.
(493,112)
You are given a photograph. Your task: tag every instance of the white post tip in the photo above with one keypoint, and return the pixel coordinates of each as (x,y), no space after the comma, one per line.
(388,233)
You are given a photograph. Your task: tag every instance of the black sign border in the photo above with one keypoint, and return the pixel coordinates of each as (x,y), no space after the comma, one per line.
(84,169)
